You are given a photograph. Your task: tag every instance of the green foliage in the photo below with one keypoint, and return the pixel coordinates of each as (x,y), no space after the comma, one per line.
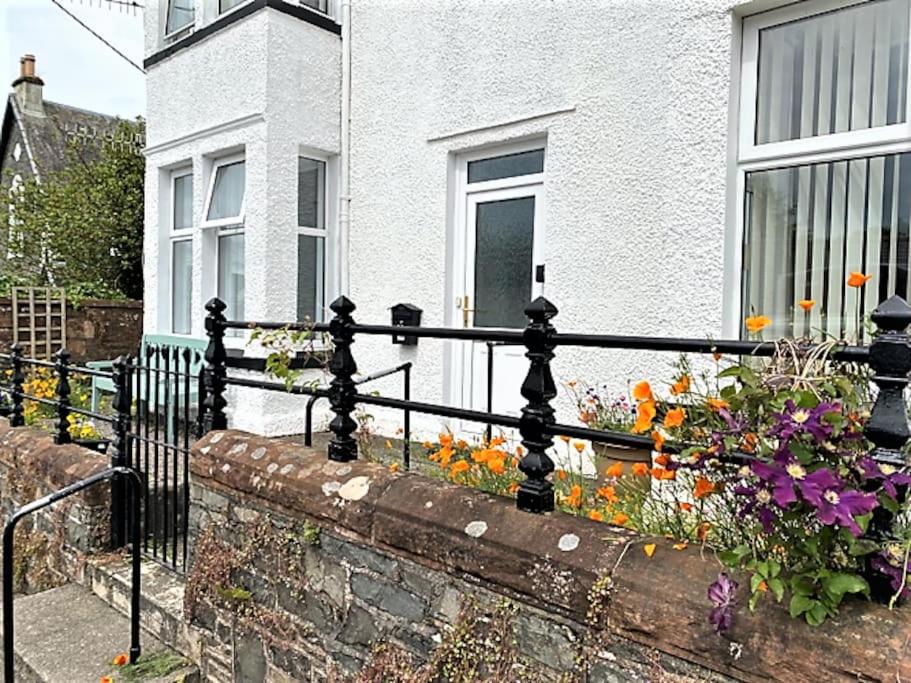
(81,227)
(152,666)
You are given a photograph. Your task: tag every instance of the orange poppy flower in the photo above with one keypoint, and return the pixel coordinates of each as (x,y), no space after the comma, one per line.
(702,531)
(565,439)
(461,444)
(717,403)
(674,417)
(106,679)
(662,474)
(686,507)
(574,499)
(595,515)
(642,391)
(645,417)
(609,493)
(497,441)
(681,386)
(445,439)
(640,469)
(749,442)
(121,660)
(496,465)
(561,474)
(394,467)
(520,451)
(858,279)
(807,304)
(483,455)
(658,438)
(662,459)
(703,487)
(620,519)
(757,323)
(614,471)
(716,356)
(513,487)
(579,446)
(459,467)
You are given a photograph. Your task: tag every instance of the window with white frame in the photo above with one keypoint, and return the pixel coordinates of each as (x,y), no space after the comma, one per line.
(825,163)
(180,15)
(224,211)
(225,5)
(311,239)
(181,238)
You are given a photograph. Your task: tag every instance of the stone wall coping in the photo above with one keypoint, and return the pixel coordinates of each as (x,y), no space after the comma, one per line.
(552,561)
(53,465)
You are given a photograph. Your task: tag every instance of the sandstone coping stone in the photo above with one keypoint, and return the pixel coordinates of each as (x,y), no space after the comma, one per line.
(552,561)
(52,466)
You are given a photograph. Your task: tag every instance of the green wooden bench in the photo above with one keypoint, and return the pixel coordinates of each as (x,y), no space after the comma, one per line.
(101,385)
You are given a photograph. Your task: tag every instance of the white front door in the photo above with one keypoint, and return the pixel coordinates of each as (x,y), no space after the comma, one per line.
(500,270)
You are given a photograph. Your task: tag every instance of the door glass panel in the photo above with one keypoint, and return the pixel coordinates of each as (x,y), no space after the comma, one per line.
(503,262)
(506,166)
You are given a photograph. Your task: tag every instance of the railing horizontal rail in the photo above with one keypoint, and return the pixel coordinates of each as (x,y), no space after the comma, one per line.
(294,327)
(465,334)
(90,413)
(276,386)
(383,373)
(441,411)
(91,372)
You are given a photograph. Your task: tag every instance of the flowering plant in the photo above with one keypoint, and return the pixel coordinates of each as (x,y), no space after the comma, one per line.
(599,409)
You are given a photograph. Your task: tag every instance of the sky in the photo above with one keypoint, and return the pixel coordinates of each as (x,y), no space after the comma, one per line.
(76,67)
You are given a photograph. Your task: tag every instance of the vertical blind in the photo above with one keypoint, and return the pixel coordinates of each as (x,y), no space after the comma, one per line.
(835,72)
(808,227)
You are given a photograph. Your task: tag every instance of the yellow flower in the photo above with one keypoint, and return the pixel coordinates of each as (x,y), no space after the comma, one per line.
(757,323)
(394,467)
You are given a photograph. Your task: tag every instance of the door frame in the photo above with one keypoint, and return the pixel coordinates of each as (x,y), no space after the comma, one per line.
(466,198)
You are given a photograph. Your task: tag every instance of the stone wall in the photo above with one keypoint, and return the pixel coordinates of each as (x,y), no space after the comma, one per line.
(312,570)
(51,544)
(96,329)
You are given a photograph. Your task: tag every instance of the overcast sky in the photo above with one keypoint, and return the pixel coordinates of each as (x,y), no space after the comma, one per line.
(77,68)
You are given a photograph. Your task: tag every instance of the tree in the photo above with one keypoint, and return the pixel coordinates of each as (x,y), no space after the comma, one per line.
(81,227)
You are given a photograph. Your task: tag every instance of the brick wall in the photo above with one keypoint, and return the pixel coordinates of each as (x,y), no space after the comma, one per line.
(97,329)
(308,566)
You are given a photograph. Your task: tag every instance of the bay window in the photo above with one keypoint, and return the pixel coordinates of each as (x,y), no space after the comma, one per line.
(311,239)
(224,211)
(825,163)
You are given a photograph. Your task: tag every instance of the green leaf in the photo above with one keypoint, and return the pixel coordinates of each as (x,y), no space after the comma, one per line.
(776,585)
(816,615)
(862,546)
(800,604)
(755,581)
(837,585)
(802,585)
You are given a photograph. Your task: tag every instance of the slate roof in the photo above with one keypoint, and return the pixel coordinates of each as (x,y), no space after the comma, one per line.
(47,137)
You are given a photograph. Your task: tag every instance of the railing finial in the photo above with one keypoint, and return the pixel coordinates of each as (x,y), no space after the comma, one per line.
(342,389)
(215,371)
(536,493)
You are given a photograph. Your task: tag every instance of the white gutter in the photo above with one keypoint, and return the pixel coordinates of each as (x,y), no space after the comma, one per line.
(344,198)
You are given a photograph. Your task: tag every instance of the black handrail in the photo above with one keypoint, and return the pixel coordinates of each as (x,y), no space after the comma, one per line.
(8,547)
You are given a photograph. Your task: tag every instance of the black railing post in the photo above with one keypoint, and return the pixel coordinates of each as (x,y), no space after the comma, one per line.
(536,493)
(61,367)
(888,428)
(215,370)
(122,406)
(17,417)
(343,447)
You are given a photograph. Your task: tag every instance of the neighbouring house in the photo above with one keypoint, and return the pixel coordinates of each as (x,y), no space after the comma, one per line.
(651,167)
(37,136)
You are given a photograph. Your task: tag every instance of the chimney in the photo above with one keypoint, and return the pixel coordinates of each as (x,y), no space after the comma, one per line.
(29,87)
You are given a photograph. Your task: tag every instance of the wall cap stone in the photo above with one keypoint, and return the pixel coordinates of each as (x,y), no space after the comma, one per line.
(552,561)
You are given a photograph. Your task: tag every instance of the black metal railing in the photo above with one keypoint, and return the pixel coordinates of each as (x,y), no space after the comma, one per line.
(116,475)
(151,421)
(889,357)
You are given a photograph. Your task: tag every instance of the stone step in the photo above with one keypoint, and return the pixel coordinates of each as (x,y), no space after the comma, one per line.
(67,634)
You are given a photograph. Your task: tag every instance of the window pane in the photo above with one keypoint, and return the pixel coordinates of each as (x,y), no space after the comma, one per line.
(507,166)
(182,287)
(503,255)
(809,227)
(311,193)
(225,5)
(231,274)
(228,191)
(316,4)
(183,202)
(180,14)
(310,278)
(835,72)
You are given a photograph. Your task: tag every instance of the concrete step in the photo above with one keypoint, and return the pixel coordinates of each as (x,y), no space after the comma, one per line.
(69,635)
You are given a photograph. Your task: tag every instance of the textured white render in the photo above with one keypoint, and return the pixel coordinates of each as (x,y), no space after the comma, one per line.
(267,86)
(632,97)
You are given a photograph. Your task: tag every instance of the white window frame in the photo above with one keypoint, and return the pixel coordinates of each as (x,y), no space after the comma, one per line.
(182,30)
(222,12)
(316,232)
(175,235)
(750,157)
(231,221)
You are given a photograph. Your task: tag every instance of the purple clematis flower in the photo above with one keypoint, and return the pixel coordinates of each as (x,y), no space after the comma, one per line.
(887,474)
(889,562)
(722,594)
(758,501)
(834,504)
(781,477)
(794,421)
